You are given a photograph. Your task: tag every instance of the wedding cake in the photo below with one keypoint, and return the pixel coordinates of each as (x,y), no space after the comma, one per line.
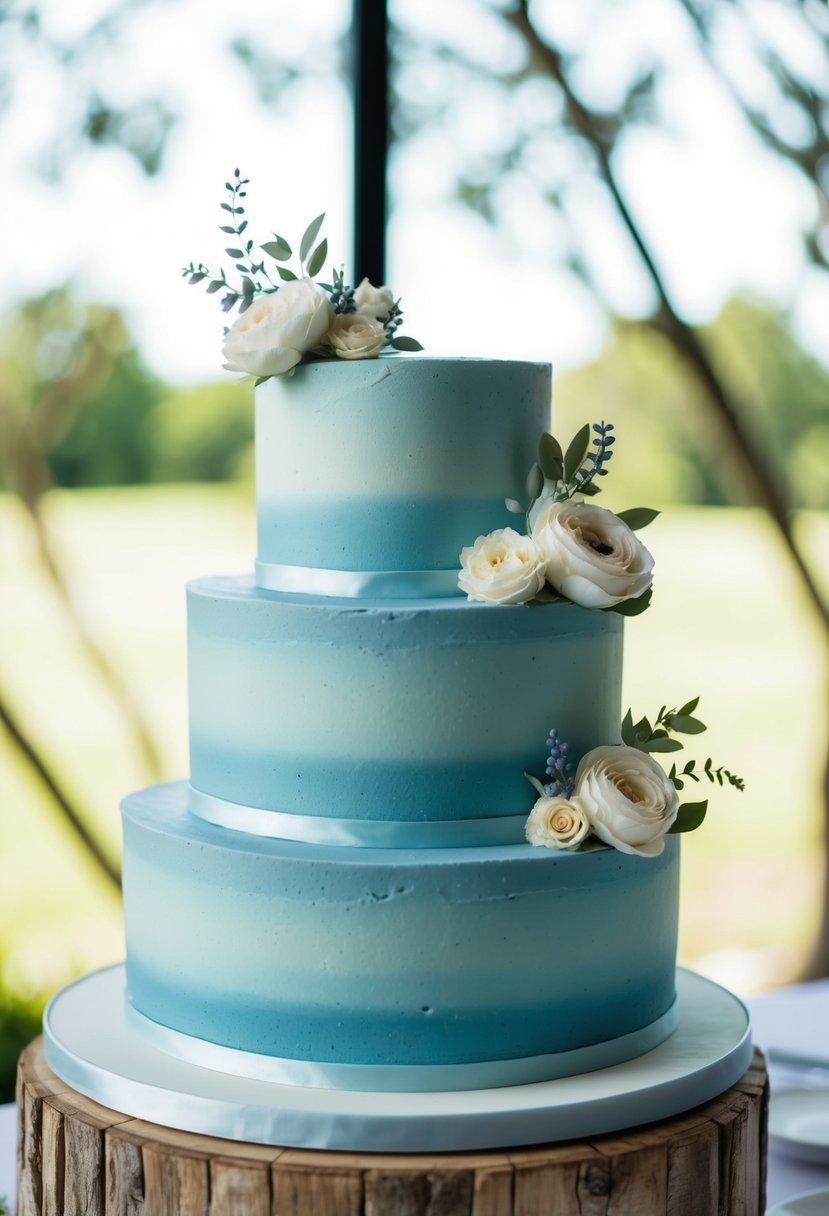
(357,887)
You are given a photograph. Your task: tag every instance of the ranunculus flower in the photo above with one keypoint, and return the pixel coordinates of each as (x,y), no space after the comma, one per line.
(592,557)
(373,301)
(275,332)
(557,823)
(355,336)
(628,798)
(501,568)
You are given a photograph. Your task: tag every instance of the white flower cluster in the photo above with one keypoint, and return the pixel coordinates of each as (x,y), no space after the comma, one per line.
(586,553)
(620,795)
(279,328)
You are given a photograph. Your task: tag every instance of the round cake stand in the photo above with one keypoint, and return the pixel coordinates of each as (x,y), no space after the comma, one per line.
(89,1045)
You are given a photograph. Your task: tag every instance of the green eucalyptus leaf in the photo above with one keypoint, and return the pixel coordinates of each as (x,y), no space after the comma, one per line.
(661,745)
(309,236)
(278,249)
(401,342)
(550,457)
(686,725)
(632,607)
(227,228)
(535,481)
(235,253)
(590,489)
(547,595)
(197,277)
(689,706)
(317,258)
(513,506)
(643,729)
(535,783)
(215,285)
(576,452)
(638,517)
(285,273)
(690,816)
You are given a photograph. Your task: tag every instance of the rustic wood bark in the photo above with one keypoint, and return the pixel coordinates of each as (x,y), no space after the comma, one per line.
(77,1158)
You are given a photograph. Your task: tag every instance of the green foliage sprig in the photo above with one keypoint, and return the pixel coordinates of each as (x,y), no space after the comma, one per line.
(256,280)
(656,737)
(558,475)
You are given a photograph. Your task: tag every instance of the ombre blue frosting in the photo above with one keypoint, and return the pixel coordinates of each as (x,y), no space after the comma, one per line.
(392,464)
(414,711)
(390,957)
(292,902)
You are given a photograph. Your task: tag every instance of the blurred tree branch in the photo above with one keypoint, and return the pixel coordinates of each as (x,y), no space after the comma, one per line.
(61,354)
(48,778)
(763,478)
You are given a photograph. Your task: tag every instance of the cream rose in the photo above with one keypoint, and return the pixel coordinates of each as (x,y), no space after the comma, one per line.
(501,568)
(373,301)
(355,336)
(628,798)
(275,332)
(557,823)
(592,557)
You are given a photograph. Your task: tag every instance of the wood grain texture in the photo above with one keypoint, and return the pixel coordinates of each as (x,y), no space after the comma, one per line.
(77,1158)
(54,1160)
(123,1175)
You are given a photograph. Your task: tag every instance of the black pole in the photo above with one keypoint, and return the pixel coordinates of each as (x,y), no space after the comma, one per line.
(371,137)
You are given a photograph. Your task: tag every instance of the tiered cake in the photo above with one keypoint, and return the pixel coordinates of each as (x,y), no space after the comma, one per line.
(343,894)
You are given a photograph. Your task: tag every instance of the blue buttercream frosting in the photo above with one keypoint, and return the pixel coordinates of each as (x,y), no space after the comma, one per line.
(410,710)
(393,463)
(372,956)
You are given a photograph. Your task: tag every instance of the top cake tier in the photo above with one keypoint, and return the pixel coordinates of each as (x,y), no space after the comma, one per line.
(373,474)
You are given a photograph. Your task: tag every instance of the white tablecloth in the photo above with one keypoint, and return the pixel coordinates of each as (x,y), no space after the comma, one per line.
(796,1018)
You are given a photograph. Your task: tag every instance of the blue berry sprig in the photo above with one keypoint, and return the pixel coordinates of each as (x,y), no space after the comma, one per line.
(594,462)
(558,475)
(559,769)
(342,296)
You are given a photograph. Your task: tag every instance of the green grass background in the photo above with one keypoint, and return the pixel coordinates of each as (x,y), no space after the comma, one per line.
(728,622)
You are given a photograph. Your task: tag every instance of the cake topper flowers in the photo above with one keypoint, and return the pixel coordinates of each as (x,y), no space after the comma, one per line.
(283,322)
(619,793)
(573,549)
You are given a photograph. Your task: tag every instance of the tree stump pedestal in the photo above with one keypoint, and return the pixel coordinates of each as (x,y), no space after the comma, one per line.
(77,1158)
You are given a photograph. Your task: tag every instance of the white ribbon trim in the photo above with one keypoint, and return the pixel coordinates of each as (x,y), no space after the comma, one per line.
(357,833)
(358,584)
(403,1078)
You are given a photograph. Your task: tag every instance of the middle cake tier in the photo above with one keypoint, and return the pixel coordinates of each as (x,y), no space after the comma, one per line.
(387,723)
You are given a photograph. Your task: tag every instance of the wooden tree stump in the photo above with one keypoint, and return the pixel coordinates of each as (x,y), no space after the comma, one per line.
(76,1158)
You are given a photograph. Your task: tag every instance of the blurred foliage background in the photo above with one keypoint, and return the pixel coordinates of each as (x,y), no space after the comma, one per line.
(518,182)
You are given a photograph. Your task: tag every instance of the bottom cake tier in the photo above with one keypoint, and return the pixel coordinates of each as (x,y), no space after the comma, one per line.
(383,969)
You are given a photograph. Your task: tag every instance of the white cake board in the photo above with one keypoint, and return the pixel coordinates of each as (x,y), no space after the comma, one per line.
(89,1045)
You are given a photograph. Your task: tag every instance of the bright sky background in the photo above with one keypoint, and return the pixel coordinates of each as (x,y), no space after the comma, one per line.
(720,213)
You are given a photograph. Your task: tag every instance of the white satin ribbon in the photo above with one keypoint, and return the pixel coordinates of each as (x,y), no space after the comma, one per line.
(358,584)
(403,1078)
(357,833)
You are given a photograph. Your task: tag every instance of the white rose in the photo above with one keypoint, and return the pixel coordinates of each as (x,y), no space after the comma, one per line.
(275,332)
(501,568)
(593,558)
(373,301)
(354,336)
(628,798)
(557,823)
